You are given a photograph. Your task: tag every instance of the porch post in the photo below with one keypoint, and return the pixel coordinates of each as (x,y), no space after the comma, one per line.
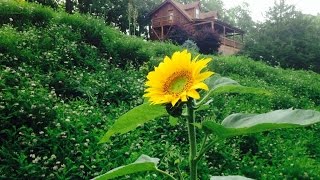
(161,33)
(234,42)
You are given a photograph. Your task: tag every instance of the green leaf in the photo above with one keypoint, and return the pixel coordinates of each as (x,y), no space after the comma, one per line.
(240,90)
(229,178)
(218,81)
(215,82)
(173,121)
(241,124)
(290,116)
(220,85)
(134,118)
(143,163)
(198,125)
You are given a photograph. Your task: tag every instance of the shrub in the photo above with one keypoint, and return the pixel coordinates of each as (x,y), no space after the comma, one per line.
(23,15)
(51,3)
(190,45)
(130,51)
(178,34)
(24,101)
(9,40)
(207,40)
(90,29)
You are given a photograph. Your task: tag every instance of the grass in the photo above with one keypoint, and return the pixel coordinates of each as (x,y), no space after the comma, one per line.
(64,79)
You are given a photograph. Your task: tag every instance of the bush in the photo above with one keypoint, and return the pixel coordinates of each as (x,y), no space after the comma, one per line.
(190,45)
(91,30)
(207,40)
(24,101)
(23,15)
(51,3)
(178,34)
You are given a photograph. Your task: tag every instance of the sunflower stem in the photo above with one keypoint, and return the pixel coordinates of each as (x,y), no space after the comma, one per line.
(192,139)
(203,100)
(207,148)
(166,174)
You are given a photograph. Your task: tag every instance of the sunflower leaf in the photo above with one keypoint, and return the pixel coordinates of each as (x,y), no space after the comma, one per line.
(242,124)
(134,118)
(220,85)
(143,163)
(217,80)
(229,178)
(240,90)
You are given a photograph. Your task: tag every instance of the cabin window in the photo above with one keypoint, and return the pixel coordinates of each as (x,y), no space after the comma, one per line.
(197,13)
(170,15)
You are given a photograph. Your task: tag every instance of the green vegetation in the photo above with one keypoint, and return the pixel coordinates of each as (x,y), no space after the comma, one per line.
(287,39)
(64,79)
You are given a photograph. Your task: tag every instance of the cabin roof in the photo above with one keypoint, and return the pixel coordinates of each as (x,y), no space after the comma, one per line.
(176,5)
(190,5)
(209,14)
(183,7)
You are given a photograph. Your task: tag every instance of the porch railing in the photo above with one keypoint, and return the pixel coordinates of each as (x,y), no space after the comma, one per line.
(230,42)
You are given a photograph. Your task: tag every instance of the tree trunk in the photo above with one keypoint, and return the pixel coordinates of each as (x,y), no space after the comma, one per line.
(69,6)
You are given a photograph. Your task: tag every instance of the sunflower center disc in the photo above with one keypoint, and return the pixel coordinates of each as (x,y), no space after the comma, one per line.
(178,84)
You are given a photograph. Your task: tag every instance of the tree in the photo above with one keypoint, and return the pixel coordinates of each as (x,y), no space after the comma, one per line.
(239,16)
(51,3)
(213,5)
(288,38)
(143,20)
(130,12)
(69,6)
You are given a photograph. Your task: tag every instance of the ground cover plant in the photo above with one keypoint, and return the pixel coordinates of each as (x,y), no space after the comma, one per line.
(64,82)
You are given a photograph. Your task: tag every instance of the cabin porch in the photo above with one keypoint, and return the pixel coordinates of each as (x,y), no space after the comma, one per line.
(231,37)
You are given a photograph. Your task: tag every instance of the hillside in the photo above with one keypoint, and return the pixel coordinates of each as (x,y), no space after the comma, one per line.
(64,79)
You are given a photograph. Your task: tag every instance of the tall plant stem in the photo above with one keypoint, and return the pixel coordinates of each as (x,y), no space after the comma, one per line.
(192,140)
(166,174)
(207,147)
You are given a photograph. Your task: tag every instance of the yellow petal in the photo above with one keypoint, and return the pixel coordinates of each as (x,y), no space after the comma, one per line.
(174,101)
(200,65)
(200,85)
(183,96)
(204,75)
(194,94)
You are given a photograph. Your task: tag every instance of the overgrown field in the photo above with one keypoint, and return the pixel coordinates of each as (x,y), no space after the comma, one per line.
(64,79)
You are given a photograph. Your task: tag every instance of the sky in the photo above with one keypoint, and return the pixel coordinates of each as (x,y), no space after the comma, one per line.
(259,7)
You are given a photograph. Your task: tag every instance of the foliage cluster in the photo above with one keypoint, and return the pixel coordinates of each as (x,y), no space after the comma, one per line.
(62,84)
(91,32)
(207,40)
(190,45)
(288,39)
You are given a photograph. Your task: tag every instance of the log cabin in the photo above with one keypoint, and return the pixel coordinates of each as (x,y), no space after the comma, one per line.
(170,13)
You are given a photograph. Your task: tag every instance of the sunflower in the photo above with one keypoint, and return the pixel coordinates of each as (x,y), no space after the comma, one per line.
(177,79)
